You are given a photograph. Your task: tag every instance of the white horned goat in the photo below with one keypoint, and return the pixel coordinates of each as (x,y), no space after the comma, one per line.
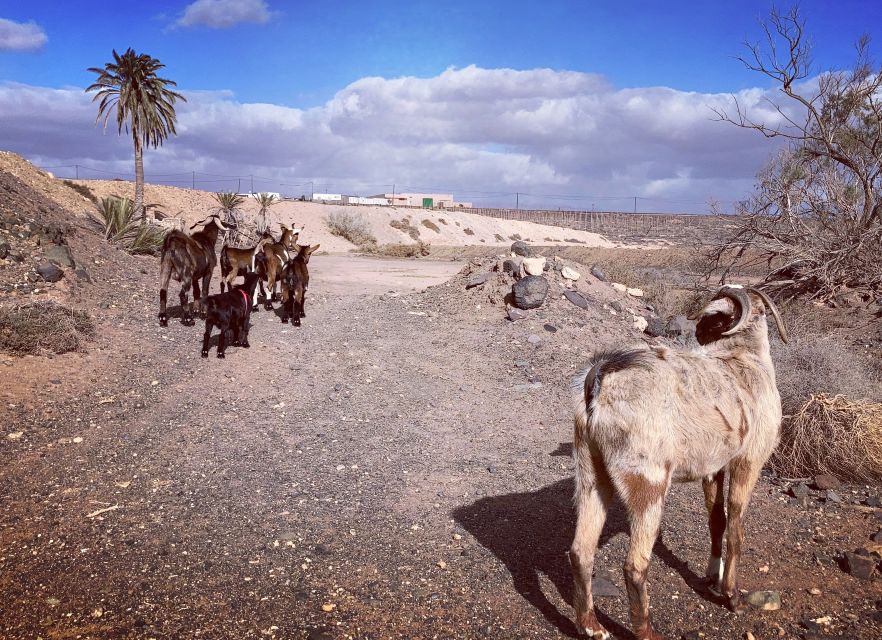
(647,417)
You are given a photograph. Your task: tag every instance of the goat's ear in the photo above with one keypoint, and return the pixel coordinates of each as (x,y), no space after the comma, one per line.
(313,249)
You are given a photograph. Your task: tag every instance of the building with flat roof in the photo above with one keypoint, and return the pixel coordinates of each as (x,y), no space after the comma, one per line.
(427,200)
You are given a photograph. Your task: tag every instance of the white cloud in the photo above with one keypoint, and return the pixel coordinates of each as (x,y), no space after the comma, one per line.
(221,14)
(21,36)
(559,138)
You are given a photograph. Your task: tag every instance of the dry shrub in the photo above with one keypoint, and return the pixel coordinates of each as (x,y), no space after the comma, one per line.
(44,326)
(398,250)
(442,221)
(515,236)
(83,190)
(835,435)
(428,224)
(405,226)
(498,237)
(468,232)
(350,226)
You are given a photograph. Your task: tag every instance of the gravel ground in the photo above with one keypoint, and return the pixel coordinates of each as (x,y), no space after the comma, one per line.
(398,467)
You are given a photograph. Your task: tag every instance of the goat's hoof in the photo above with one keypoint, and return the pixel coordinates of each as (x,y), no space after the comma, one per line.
(267,306)
(188,322)
(221,355)
(163,321)
(246,345)
(205,354)
(302,314)
(297,323)
(284,320)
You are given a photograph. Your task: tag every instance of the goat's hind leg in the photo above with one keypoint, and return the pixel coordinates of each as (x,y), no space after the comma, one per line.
(743,474)
(644,496)
(186,307)
(593,496)
(206,337)
(716,513)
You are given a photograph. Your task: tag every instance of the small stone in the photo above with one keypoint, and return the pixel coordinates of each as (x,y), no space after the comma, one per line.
(765,600)
(516,314)
(77,439)
(550,328)
(520,248)
(618,306)
(327,608)
(83,275)
(764,569)
(799,491)
(53,602)
(873,501)
(877,537)
(476,279)
(441,564)
(576,298)
(619,287)
(598,273)
(814,591)
(832,496)
(512,266)
(749,636)
(634,292)
(530,292)
(15,435)
(534,339)
(60,255)
(640,323)
(534,266)
(50,272)
(4,250)
(655,327)
(826,481)
(859,565)
(570,274)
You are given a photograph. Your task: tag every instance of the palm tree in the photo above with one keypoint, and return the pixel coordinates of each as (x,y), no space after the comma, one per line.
(229,204)
(145,106)
(264,201)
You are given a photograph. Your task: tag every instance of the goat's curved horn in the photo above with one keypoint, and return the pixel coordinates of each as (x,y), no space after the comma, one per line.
(196,224)
(779,322)
(739,295)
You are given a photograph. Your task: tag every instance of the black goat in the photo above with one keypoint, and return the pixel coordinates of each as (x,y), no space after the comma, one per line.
(187,259)
(230,312)
(295,278)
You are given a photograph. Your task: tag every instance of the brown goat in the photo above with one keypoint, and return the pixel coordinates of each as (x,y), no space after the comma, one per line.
(295,280)
(277,254)
(237,262)
(647,417)
(188,259)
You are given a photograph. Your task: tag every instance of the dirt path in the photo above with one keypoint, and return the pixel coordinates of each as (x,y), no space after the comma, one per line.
(398,467)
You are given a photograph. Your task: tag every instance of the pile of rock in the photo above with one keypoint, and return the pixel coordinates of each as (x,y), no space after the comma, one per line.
(523,282)
(32,255)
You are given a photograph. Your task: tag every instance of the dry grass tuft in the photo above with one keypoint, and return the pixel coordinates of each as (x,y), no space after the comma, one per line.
(428,224)
(406,226)
(396,250)
(468,232)
(835,435)
(44,326)
(350,226)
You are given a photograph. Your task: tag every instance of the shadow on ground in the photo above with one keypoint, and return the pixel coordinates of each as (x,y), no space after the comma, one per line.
(530,533)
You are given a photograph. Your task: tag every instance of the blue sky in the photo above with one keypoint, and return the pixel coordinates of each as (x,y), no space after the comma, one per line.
(300,65)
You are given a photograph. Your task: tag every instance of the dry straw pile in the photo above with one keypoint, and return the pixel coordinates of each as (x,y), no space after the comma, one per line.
(832,434)
(44,326)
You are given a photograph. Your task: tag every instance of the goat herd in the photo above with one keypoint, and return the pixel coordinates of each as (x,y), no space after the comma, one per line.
(190,259)
(645,417)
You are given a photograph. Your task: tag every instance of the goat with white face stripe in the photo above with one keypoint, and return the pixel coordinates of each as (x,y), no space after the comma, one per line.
(649,417)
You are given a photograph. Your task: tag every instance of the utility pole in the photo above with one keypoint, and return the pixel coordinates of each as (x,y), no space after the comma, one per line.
(78,171)
(194,179)
(252,184)
(517,201)
(239,188)
(635,204)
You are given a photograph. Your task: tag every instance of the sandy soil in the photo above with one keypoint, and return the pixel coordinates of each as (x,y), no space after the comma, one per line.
(454,227)
(398,467)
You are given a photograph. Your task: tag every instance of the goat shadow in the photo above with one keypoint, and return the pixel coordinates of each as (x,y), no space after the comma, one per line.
(531,532)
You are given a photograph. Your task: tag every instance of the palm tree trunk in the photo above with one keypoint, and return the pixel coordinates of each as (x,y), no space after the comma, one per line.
(139,213)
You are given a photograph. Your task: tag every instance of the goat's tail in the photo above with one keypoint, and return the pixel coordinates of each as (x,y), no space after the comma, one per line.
(170,237)
(586,386)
